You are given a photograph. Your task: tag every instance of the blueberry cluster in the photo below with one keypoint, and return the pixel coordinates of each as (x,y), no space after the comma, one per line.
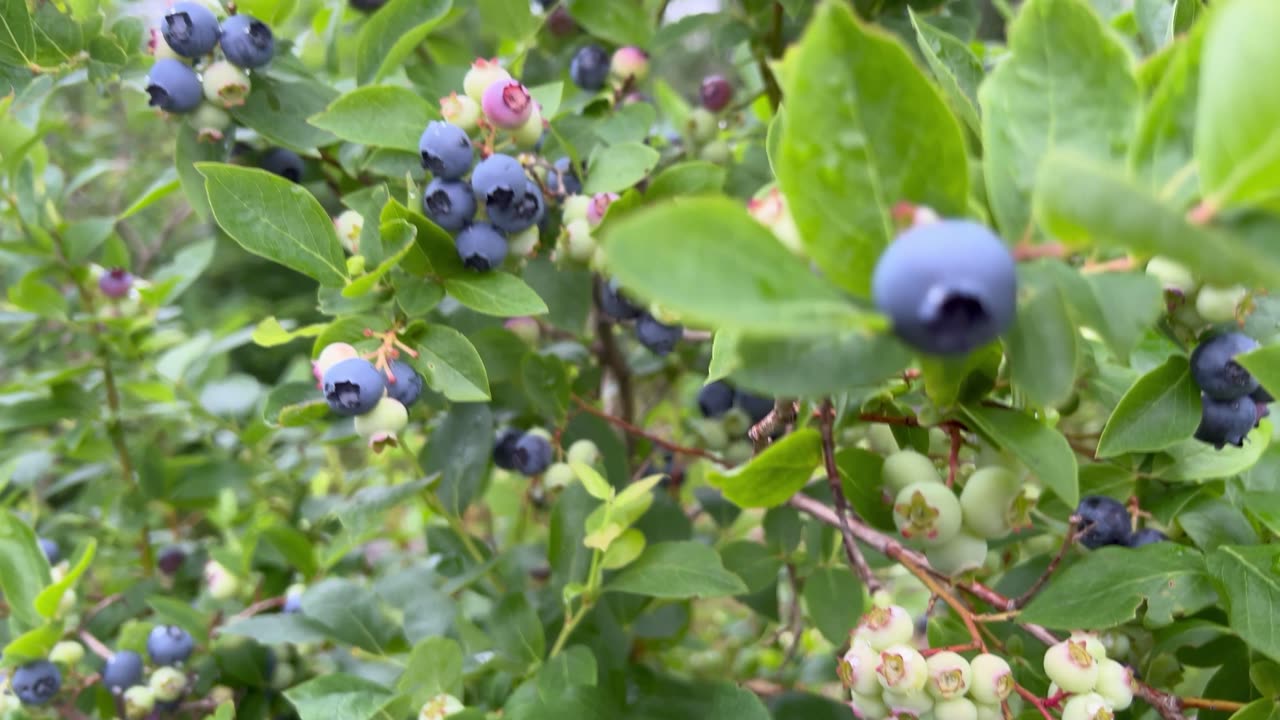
(954,530)
(660,338)
(702,127)
(728,413)
(592,67)
(378,398)
(526,452)
(888,677)
(1232,401)
(581,215)
(1095,686)
(1192,302)
(1105,521)
(201,63)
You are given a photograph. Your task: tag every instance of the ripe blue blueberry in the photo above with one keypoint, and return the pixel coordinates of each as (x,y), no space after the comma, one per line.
(173,86)
(407,385)
(247,41)
(522,213)
(449,203)
(446,150)
(169,645)
(614,303)
(283,162)
(37,682)
(500,180)
(589,68)
(1103,521)
(715,399)
(171,559)
(50,550)
(1215,370)
(115,283)
(292,604)
(949,287)
(1146,536)
(122,671)
(1226,422)
(531,454)
(504,447)
(658,337)
(481,247)
(563,172)
(190,28)
(353,386)
(755,406)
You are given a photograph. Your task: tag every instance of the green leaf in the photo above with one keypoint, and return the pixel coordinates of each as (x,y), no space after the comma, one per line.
(857,107)
(24,572)
(753,562)
(1237,148)
(833,597)
(1082,202)
(33,294)
(294,404)
(294,546)
(677,570)
(950,380)
(618,167)
(398,237)
(392,33)
(1161,409)
(622,22)
(709,261)
(277,628)
(47,602)
(1162,155)
(270,333)
(1249,578)
(459,450)
(495,293)
(434,667)
(378,115)
(278,111)
(774,475)
(352,614)
(33,644)
(1068,84)
(810,367)
(508,19)
(685,180)
(1195,461)
(1264,708)
(340,695)
(436,244)
(279,220)
(730,702)
(863,485)
(954,66)
(1263,364)
(1042,449)
(450,364)
(1133,302)
(1108,585)
(182,614)
(18,41)
(545,379)
(629,123)
(516,631)
(1042,347)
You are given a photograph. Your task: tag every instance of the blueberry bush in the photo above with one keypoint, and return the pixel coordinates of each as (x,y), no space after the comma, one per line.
(639,359)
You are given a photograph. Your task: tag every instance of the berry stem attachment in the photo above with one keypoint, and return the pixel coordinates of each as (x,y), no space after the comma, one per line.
(851,550)
(953,457)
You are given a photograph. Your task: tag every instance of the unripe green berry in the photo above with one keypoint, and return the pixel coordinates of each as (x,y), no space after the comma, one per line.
(1115,684)
(559,475)
(992,679)
(857,669)
(283,676)
(960,708)
(1087,706)
(1218,304)
(575,208)
(580,244)
(67,653)
(528,134)
(523,243)
(386,418)
(949,675)
(963,553)
(907,467)
(482,74)
(1070,665)
(989,712)
(902,669)
(927,513)
(1171,274)
(1092,642)
(461,110)
(907,704)
(882,442)
(210,122)
(717,152)
(987,501)
(139,701)
(736,422)
(168,683)
(440,707)
(885,626)
(225,84)
(869,707)
(221,583)
(712,432)
(219,694)
(702,125)
(349,224)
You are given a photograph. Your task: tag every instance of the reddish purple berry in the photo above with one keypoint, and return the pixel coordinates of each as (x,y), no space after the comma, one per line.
(115,283)
(507,104)
(716,93)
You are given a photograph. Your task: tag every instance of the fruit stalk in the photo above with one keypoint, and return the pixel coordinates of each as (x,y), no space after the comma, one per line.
(851,550)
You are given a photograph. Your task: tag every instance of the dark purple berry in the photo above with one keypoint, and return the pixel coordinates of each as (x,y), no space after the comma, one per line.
(1103,521)
(715,399)
(716,92)
(657,336)
(171,559)
(504,446)
(283,162)
(614,303)
(1226,422)
(115,283)
(1215,370)
(589,68)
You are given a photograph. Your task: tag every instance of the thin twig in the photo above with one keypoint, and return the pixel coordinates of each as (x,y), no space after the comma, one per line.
(851,550)
(1067,541)
(95,645)
(655,439)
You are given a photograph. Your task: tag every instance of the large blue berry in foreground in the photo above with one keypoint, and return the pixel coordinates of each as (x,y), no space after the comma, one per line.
(500,180)
(446,150)
(589,68)
(1226,422)
(715,399)
(449,203)
(50,550)
(173,86)
(614,303)
(169,645)
(1103,521)
(481,247)
(283,162)
(659,337)
(1262,396)
(504,447)
(949,287)
(122,671)
(36,683)
(190,28)
(247,41)
(1147,536)
(1215,370)
(531,454)
(522,213)
(353,386)
(407,385)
